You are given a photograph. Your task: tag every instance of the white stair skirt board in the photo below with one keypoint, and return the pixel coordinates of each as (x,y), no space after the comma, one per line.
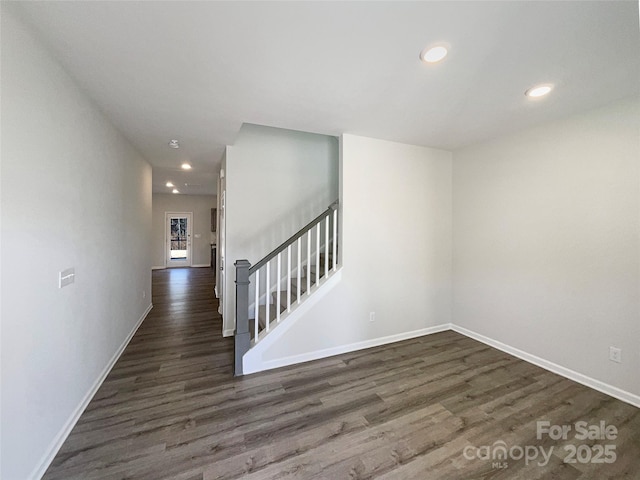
(330,352)
(615,392)
(253,363)
(57,442)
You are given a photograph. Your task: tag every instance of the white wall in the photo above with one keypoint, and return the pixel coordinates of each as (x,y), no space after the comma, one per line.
(396,252)
(546,242)
(200,206)
(276,182)
(74,194)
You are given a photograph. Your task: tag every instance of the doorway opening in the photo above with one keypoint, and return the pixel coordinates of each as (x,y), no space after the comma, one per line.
(178,239)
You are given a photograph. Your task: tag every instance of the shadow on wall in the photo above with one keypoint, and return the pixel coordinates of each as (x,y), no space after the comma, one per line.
(262,242)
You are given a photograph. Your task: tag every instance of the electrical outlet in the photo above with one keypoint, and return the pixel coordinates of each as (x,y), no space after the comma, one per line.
(144,294)
(372,316)
(615,354)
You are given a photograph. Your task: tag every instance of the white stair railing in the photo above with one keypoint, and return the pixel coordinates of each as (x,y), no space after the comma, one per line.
(318,240)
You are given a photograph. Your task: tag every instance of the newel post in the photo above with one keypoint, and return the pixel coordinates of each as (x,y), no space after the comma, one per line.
(242,335)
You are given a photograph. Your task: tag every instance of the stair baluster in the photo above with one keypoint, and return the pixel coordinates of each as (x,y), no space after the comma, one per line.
(317,253)
(335,240)
(326,247)
(289,278)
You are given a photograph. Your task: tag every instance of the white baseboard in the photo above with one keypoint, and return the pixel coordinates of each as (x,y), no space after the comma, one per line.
(57,442)
(615,392)
(159,267)
(330,352)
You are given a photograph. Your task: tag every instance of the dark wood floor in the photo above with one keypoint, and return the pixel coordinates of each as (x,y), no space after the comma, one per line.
(170,409)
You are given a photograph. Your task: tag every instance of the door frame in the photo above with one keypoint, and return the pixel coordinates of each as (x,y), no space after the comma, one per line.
(167,239)
(222,244)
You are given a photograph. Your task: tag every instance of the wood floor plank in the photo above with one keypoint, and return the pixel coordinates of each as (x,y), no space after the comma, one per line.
(171,409)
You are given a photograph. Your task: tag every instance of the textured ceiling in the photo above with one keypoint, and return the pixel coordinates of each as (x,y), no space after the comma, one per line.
(196,71)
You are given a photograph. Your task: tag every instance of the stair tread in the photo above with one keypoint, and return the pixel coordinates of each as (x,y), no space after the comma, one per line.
(303,283)
(294,288)
(262,309)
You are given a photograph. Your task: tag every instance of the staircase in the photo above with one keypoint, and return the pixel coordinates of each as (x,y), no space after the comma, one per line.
(310,277)
(283,280)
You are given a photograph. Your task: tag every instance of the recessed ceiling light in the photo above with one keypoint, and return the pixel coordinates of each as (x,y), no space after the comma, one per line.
(186,166)
(174,143)
(169,184)
(539,91)
(175,190)
(434,54)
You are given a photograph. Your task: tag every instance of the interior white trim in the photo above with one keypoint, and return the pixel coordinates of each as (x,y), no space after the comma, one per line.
(159,267)
(228,332)
(254,367)
(57,442)
(553,367)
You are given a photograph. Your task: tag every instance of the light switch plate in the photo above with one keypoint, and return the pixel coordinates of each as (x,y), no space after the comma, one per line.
(66,277)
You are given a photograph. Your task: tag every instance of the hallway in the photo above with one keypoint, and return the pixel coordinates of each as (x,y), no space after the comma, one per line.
(161,378)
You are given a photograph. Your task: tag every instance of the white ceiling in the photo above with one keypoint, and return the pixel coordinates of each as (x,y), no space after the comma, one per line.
(195,71)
